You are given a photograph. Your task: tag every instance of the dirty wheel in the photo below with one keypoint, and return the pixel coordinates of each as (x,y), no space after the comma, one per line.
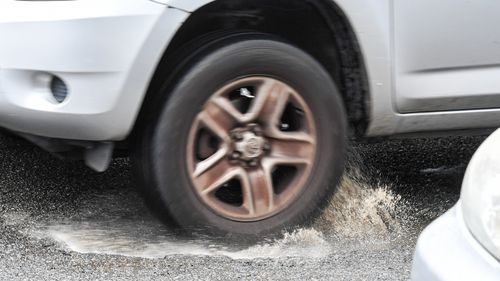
(251,149)
(251,141)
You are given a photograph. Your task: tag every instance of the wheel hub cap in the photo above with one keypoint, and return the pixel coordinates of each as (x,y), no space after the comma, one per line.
(248,145)
(251,149)
(251,146)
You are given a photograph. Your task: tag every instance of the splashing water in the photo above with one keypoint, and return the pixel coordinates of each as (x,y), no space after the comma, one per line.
(299,243)
(358,209)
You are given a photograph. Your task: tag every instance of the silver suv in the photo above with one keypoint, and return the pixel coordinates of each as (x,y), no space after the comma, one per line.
(236,112)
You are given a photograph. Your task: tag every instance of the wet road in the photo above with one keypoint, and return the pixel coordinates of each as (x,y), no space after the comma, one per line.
(59,220)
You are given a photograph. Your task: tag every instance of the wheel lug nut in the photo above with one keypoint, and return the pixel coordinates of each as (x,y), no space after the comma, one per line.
(255,129)
(235,155)
(266,146)
(236,135)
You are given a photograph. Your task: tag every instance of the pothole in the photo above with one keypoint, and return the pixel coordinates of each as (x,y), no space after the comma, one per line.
(115,222)
(358,212)
(299,243)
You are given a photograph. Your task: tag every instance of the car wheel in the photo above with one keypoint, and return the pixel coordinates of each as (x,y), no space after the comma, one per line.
(251,140)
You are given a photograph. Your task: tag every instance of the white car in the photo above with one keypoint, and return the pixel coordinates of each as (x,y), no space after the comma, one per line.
(236,112)
(464,243)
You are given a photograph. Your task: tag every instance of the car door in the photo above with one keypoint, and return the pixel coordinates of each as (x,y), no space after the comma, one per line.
(446,55)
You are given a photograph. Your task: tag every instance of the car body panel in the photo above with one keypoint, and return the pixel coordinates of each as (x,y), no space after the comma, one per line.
(185,5)
(108,82)
(463,243)
(459,91)
(447,55)
(373,23)
(447,251)
(106,56)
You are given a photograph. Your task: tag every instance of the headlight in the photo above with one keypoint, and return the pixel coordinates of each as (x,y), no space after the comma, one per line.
(481,194)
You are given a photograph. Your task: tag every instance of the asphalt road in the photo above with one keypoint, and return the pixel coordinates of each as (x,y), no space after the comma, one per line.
(60,220)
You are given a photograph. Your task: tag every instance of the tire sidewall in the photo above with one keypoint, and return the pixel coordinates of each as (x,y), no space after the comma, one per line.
(255,57)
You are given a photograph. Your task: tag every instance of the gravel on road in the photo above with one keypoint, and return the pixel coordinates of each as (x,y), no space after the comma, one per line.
(60,220)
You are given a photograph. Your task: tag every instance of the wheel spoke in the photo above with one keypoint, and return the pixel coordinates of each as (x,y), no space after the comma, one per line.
(258,191)
(303,137)
(203,166)
(271,99)
(219,116)
(292,149)
(224,104)
(215,175)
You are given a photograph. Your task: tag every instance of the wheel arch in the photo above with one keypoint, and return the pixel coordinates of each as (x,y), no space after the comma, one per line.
(334,44)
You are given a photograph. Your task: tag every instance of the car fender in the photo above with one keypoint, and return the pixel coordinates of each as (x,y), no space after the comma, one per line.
(371,22)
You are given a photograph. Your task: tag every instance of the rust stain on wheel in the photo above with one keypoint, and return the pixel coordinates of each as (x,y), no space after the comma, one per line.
(251,149)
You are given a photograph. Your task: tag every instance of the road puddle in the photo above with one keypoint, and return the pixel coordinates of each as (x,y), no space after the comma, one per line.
(300,243)
(358,212)
(113,220)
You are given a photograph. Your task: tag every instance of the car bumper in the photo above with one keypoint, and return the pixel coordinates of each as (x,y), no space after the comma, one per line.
(446,250)
(104,51)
